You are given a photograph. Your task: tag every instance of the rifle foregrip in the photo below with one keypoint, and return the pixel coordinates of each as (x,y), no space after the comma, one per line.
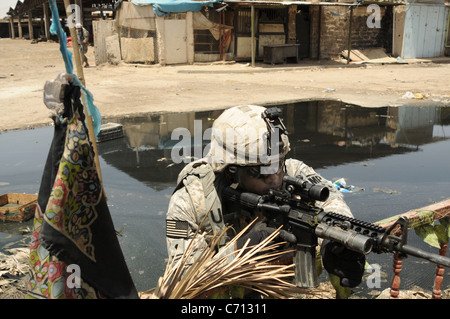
(350,239)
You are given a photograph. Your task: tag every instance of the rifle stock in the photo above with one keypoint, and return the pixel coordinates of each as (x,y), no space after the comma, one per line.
(294,208)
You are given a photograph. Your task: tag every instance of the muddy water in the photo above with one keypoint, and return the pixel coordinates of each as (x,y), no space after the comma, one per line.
(397,158)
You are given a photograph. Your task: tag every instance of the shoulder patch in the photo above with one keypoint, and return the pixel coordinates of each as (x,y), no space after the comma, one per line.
(314,179)
(177,228)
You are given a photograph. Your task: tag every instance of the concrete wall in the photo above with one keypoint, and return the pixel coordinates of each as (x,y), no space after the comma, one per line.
(330,26)
(103,30)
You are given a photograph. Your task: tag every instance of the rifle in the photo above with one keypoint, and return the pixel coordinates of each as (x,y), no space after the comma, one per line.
(293,207)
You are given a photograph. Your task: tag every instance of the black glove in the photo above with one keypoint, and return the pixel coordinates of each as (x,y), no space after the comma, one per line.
(260,231)
(342,262)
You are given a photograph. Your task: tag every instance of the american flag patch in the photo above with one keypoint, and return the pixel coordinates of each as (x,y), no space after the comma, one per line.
(177,228)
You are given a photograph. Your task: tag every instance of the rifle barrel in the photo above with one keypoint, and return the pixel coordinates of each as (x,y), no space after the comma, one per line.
(417,252)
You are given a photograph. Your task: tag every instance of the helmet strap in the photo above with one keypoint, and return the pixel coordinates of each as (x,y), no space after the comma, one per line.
(274,126)
(232,172)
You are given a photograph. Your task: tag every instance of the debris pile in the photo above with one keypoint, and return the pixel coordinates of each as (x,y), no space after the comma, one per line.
(14,271)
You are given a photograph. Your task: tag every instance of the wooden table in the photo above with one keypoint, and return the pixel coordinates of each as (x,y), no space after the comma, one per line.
(280,53)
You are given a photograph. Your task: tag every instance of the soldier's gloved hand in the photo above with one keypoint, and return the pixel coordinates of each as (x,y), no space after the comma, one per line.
(261,231)
(348,265)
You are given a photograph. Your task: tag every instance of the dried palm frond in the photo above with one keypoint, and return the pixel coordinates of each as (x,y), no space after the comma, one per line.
(252,267)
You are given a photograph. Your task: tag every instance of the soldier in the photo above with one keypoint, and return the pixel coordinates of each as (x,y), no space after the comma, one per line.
(248,150)
(83,41)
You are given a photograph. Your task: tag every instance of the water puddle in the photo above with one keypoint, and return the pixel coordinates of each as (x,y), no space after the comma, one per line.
(398,158)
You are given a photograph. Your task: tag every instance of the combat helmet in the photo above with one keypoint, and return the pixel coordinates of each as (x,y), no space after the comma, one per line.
(247,135)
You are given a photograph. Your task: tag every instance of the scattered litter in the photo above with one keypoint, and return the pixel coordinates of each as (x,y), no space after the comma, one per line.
(17,207)
(330,90)
(17,262)
(386,190)
(24,231)
(420,96)
(367,164)
(341,185)
(408,95)
(416,96)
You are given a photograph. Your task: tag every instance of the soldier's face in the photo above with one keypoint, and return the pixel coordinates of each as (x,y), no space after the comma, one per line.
(258,183)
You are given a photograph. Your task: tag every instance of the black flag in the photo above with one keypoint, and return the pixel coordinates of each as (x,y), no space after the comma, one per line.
(75,252)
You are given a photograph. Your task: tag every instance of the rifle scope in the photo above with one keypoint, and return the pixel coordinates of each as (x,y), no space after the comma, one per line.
(305,190)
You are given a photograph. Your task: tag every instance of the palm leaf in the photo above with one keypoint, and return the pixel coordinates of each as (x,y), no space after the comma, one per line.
(254,267)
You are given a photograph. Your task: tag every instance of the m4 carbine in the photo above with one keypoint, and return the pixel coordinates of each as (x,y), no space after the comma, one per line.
(293,207)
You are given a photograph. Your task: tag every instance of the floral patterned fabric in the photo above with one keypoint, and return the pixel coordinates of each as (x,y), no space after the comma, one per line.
(77,190)
(73,228)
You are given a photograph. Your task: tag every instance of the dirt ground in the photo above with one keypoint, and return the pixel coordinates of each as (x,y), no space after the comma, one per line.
(128,89)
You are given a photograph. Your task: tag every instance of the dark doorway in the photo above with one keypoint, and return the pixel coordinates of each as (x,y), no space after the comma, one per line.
(302,30)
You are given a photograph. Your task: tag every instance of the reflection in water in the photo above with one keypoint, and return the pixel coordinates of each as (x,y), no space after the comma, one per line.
(322,133)
(399,156)
(145,151)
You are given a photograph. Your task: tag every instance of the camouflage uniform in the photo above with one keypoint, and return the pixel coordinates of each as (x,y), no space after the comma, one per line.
(83,41)
(197,198)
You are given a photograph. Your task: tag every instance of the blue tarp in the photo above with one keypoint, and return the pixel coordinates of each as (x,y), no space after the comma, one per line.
(163,7)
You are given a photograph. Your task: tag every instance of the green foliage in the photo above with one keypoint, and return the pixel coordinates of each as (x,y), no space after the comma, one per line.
(433,234)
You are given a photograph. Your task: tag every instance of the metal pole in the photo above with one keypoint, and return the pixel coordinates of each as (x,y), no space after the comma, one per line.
(350,35)
(223,36)
(75,44)
(447,32)
(253,35)
(30,25)
(80,75)
(11,24)
(220,36)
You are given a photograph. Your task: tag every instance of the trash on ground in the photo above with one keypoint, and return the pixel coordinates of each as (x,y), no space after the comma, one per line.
(17,207)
